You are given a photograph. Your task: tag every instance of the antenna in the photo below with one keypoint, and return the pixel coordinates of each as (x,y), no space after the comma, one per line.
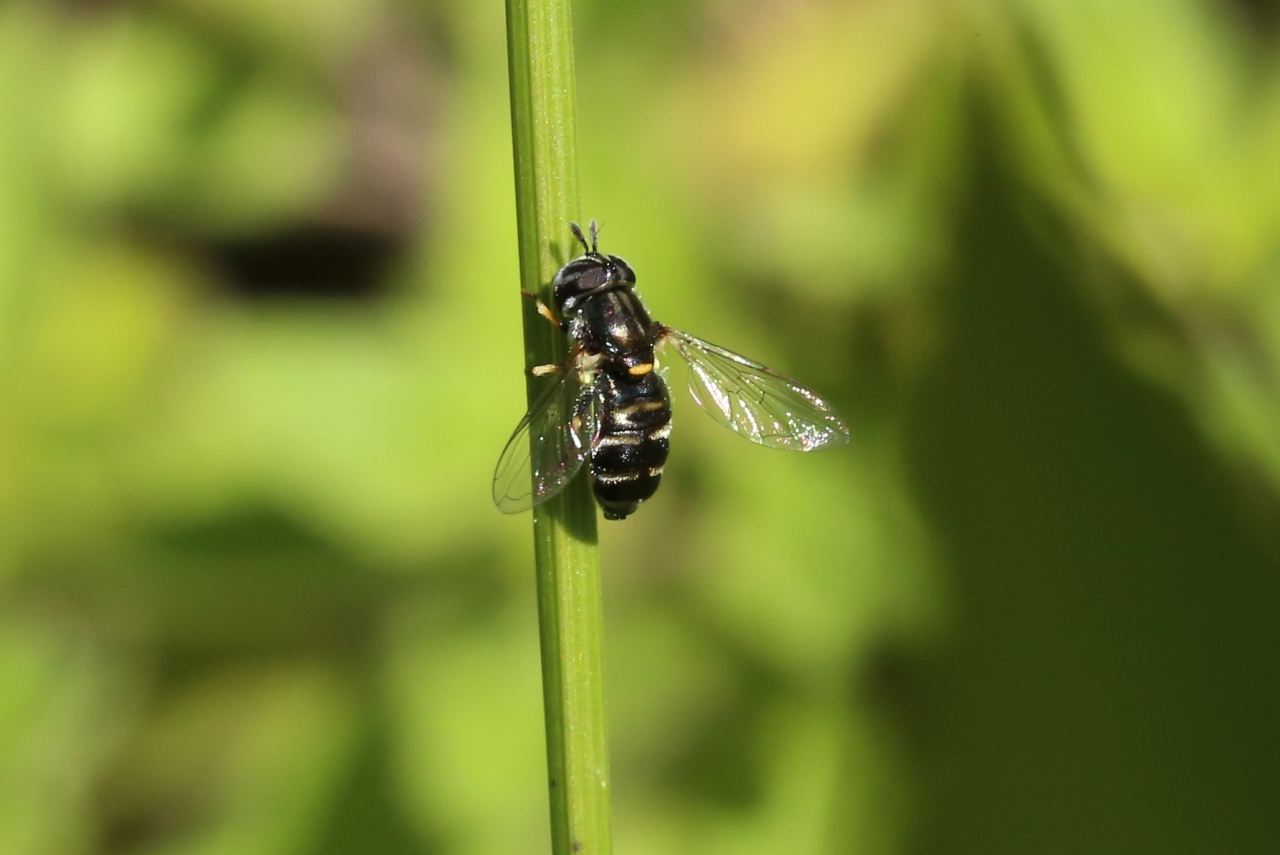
(577,232)
(595,234)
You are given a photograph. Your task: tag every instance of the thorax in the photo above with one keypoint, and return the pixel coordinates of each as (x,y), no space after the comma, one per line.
(616,324)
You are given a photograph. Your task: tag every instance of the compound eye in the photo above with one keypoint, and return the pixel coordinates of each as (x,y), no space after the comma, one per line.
(592,279)
(624,271)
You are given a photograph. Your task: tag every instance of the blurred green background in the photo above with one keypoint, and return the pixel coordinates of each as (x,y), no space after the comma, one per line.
(260,348)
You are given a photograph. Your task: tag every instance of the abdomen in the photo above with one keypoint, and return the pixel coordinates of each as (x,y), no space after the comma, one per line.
(631,445)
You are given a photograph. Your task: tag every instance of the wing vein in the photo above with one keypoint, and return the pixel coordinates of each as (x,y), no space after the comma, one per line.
(755,401)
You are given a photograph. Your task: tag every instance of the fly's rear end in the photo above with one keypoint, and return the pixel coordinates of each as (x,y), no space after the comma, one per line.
(631,445)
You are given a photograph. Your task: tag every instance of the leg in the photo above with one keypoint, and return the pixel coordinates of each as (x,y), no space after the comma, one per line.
(578,360)
(543,308)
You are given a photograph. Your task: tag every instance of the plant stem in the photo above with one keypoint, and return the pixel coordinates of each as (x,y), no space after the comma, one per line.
(540,54)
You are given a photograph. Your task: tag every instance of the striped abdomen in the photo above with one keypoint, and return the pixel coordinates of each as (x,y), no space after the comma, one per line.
(631,446)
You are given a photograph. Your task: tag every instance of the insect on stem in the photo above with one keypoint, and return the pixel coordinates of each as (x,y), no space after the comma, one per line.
(570,620)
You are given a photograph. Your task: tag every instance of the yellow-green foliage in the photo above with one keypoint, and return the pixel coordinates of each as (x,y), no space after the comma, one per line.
(255,600)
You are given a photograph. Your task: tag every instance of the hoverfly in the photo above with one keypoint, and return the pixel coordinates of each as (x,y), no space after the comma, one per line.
(610,407)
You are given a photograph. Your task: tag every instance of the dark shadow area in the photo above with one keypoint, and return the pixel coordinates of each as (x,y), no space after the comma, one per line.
(1260,16)
(309,261)
(1110,680)
(255,585)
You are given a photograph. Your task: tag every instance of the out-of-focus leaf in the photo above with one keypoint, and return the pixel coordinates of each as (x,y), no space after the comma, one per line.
(467,704)
(60,715)
(245,762)
(130,92)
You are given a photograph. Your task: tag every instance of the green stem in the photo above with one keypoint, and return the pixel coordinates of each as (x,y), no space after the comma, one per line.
(540,53)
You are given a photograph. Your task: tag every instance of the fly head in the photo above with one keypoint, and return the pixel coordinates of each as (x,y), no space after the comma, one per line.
(589,274)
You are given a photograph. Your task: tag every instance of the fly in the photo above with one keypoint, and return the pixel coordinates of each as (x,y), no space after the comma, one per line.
(608,407)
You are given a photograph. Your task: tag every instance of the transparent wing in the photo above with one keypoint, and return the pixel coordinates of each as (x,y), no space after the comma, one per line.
(757,402)
(547,448)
